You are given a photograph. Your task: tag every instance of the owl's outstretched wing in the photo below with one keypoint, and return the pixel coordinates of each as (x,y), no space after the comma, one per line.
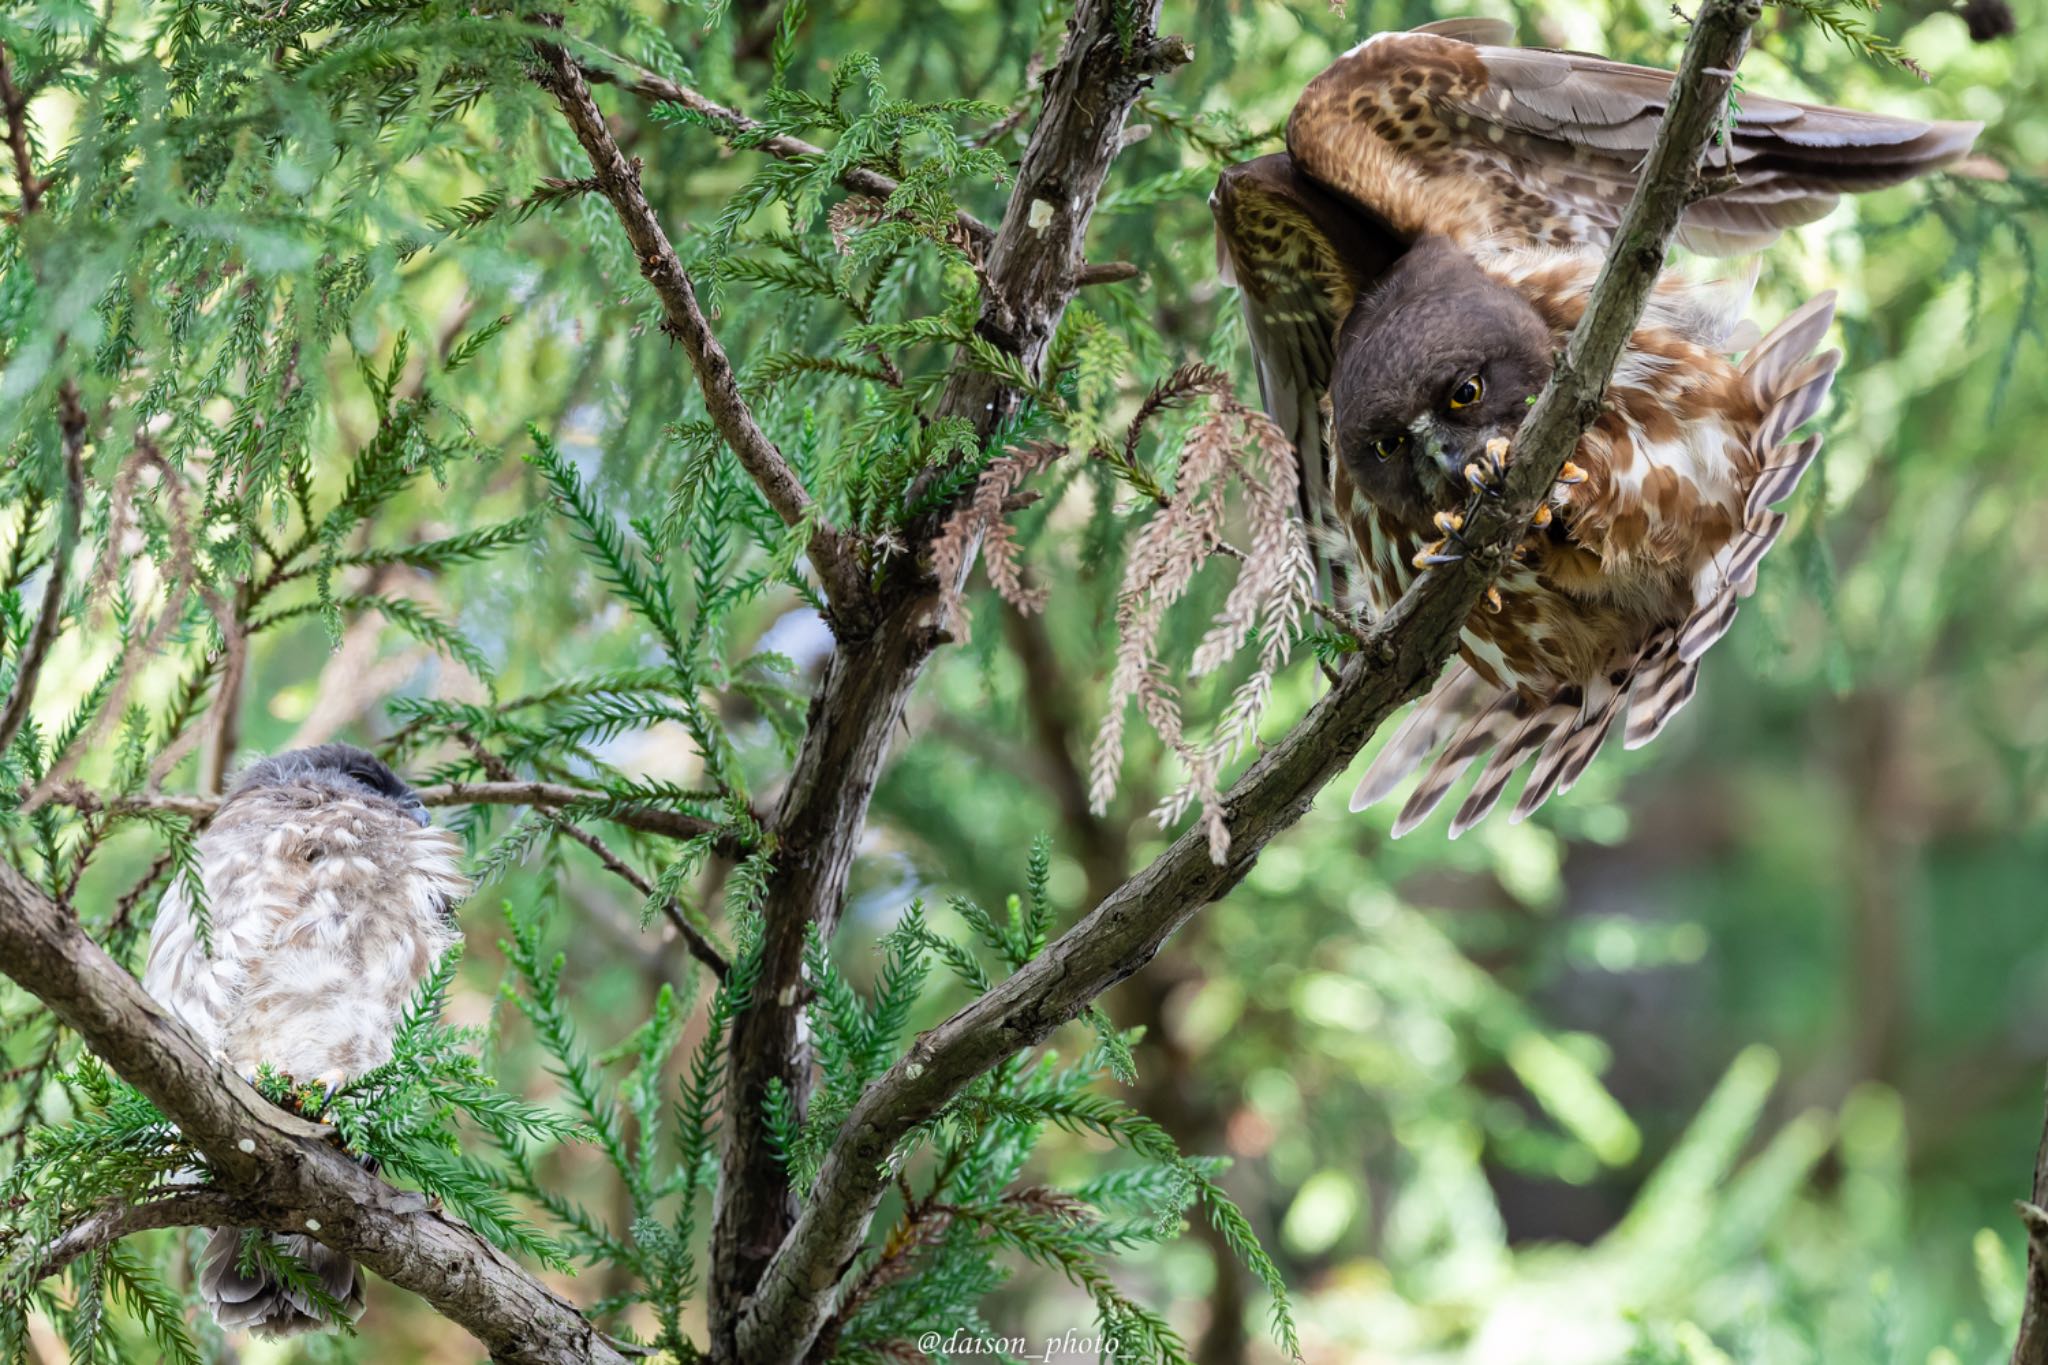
(1451,129)
(1299,256)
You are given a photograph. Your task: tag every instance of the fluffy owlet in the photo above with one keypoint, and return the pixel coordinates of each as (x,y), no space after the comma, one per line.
(330,897)
(1418,255)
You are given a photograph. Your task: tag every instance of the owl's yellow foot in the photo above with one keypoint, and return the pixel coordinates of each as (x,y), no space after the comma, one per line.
(1449,548)
(1489,472)
(1433,554)
(1493,602)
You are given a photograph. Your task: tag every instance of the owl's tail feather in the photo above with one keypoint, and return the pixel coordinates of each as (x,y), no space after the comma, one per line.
(264,1303)
(1445,711)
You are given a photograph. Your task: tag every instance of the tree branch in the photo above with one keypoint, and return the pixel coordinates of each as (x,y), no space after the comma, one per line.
(197,1207)
(14,106)
(1110,53)
(543,795)
(700,947)
(2031,1347)
(859,179)
(71,424)
(1409,647)
(618,180)
(275,1159)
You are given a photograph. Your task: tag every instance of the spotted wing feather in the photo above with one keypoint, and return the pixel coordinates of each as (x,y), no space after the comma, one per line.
(1790,385)
(1447,709)
(1489,143)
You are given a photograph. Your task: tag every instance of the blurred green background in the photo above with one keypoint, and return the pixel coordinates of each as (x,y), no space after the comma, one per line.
(1734,1054)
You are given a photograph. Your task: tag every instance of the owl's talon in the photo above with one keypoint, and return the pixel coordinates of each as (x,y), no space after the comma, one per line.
(1571,474)
(1488,473)
(1493,602)
(1435,553)
(1449,523)
(1542,517)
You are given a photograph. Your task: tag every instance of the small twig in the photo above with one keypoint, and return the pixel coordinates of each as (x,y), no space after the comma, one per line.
(173,1208)
(183,575)
(1034,72)
(832,554)
(543,795)
(14,105)
(648,85)
(71,423)
(693,938)
(1105,272)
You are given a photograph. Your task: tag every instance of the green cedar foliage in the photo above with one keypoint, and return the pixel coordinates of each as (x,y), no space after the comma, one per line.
(357,348)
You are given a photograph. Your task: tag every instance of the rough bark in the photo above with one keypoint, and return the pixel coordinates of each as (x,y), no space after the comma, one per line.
(859,707)
(277,1162)
(2031,1348)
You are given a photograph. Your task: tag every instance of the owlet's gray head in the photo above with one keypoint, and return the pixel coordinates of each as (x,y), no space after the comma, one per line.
(340,766)
(1432,365)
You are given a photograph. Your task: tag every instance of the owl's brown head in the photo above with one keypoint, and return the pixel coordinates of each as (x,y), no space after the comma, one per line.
(1432,365)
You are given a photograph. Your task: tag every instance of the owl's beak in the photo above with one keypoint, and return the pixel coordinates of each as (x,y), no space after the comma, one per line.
(1444,448)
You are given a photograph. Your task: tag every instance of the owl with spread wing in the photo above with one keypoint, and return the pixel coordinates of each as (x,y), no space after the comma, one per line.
(1409,268)
(329,898)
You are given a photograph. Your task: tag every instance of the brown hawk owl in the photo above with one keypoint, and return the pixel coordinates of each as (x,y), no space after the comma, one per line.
(1410,266)
(330,898)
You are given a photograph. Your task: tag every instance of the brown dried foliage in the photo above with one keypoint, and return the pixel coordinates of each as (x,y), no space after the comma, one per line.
(1274,585)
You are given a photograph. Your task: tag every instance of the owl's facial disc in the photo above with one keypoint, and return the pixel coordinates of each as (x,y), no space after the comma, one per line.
(1436,363)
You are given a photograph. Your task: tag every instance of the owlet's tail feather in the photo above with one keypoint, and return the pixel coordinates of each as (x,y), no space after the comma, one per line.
(265,1304)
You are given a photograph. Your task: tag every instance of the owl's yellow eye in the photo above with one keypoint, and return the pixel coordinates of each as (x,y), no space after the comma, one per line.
(1467,393)
(1387,447)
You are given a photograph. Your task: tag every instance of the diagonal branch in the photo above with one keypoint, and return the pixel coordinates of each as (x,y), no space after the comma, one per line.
(1408,648)
(275,1159)
(618,180)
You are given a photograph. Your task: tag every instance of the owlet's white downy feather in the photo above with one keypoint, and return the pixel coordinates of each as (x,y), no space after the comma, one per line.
(330,898)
